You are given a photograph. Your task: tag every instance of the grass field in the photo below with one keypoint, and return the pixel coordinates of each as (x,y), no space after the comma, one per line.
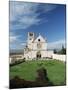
(27,70)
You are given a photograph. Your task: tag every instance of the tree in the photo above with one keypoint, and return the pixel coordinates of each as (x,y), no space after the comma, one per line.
(62,51)
(55,51)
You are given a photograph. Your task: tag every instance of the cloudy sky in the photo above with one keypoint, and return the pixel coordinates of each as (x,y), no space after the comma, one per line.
(46,19)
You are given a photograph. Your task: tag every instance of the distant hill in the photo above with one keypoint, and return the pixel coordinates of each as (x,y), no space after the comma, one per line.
(13,52)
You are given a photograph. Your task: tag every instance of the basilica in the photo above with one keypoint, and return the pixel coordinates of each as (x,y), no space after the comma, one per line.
(36,47)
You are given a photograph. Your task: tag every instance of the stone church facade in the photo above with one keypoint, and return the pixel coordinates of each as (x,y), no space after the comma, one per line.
(36,47)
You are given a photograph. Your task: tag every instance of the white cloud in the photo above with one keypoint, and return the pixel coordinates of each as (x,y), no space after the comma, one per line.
(49,7)
(19,8)
(56,45)
(23,13)
(13,38)
(15,42)
(23,44)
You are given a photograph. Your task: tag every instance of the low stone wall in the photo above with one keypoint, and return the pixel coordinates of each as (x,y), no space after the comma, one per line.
(14,58)
(59,57)
(48,54)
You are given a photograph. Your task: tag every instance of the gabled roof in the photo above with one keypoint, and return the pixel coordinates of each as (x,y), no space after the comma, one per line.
(41,38)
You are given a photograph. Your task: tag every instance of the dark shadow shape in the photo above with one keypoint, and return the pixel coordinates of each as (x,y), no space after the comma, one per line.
(41,81)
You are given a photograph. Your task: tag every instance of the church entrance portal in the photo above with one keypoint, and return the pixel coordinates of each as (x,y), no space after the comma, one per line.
(38,56)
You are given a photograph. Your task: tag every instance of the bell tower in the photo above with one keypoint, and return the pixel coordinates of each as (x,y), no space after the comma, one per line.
(30,39)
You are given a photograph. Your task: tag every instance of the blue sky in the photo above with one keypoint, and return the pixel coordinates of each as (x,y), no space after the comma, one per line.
(46,19)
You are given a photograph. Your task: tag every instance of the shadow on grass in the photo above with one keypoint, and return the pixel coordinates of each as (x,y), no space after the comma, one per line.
(41,81)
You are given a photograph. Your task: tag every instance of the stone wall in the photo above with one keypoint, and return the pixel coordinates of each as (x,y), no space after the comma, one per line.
(49,54)
(59,57)
(32,55)
(14,58)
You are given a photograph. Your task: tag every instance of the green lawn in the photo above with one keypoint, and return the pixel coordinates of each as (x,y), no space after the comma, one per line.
(27,70)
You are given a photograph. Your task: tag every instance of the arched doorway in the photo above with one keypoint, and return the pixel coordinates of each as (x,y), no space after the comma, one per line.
(38,55)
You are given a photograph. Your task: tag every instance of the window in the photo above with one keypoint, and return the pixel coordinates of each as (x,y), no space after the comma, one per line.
(31,34)
(39,45)
(38,39)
